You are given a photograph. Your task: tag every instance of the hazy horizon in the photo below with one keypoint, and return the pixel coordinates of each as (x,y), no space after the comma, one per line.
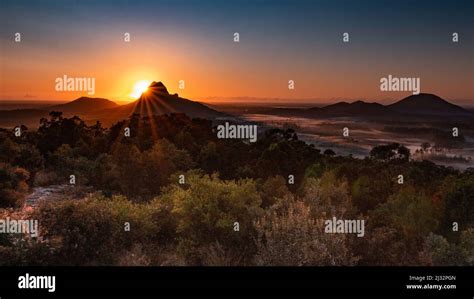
(243,100)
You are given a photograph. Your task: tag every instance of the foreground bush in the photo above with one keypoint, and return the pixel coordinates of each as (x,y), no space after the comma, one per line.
(206,210)
(443,253)
(13,185)
(295,238)
(92,231)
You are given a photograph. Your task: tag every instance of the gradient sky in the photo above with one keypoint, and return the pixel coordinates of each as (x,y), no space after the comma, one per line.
(192,40)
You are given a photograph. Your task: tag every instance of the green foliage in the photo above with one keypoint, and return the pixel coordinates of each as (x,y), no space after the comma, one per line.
(458,202)
(443,253)
(92,231)
(280,152)
(9,150)
(18,250)
(65,163)
(206,209)
(390,152)
(24,155)
(425,174)
(369,192)
(396,229)
(466,246)
(208,157)
(13,185)
(362,194)
(153,166)
(408,210)
(83,232)
(387,246)
(315,170)
(73,131)
(273,189)
(235,181)
(30,158)
(292,232)
(328,196)
(295,238)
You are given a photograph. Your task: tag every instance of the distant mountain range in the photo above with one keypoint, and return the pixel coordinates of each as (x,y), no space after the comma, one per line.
(356,108)
(84,105)
(428,104)
(155,101)
(421,105)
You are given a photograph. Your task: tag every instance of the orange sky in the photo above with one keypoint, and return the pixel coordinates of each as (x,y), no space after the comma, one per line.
(200,50)
(28,74)
(31,75)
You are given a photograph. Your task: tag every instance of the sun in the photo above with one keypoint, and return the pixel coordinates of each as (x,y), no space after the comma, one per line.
(139,88)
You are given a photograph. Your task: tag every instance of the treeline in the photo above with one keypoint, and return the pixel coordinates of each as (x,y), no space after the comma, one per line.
(171,193)
(440,137)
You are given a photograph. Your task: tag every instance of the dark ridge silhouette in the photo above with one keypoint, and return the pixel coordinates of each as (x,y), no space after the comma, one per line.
(428,104)
(157,101)
(358,108)
(421,105)
(158,87)
(84,105)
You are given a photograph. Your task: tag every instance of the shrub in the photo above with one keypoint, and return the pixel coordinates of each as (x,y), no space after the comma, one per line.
(295,238)
(154,167)
(206,209)
(13,186)
(92,231)
(458,203)
(327,196)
